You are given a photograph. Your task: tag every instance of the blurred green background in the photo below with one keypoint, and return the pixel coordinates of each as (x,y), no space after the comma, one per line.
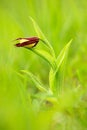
(60,21)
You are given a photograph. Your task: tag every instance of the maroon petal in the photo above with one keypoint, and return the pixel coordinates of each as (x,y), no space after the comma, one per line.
(27,41)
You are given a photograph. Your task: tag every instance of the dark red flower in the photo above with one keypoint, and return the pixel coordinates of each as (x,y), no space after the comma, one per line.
(27,42)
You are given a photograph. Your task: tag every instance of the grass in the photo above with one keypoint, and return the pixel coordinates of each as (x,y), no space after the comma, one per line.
(24,104)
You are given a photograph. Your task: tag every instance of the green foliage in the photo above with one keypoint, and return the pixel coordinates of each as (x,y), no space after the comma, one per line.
(37,83)
(45,55)
(42,36)
(56,64)
(56,76)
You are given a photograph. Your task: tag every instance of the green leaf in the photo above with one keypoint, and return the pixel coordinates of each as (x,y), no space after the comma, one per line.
(45,55)
(56,77)
(36,81)
(63,54)
(42,36)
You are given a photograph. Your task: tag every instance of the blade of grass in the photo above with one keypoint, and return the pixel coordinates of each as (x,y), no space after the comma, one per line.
(45,55)
(56,77)
(63,54)
(41,35)
(36,81)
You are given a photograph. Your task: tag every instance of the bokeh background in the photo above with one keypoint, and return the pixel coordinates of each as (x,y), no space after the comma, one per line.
(60,21)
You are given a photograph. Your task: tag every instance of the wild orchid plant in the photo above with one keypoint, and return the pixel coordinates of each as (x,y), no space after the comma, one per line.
(56,64)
